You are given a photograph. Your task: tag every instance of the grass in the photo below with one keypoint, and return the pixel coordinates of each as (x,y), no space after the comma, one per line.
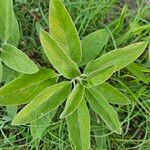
(88,16)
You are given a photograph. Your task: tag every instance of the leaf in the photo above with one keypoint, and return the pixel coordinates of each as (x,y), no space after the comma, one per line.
(15,32)
(6,15)
(46,101)
(98,77)
(57,57)
(93,44)
(120,57)
(63,30)
(1,71)
(17,60)
(121,20)
(38,126)
(104,109)
(112,95)
(73,100)
(79,127)
(138,71)
(25,87)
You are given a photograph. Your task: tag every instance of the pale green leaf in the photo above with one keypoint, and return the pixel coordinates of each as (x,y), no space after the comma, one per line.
(6,17)
(73,100)
(98,77)
(63,30)
(17,60)
(24,88)
(92,45)
(38,126)
(79,127)
(104,109)
(112,95)
(46,101)
(119,57)
(57,57)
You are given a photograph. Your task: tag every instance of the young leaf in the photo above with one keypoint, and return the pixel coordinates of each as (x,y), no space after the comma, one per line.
(120,57)
(25,87)
(104,109)
(46,101)
(6,15)
(93,44)
(38,126)
(79,127)
(63,30)
(73,100)
(17,60)
(1,71)
(57,57)
(98,77)
(112,95)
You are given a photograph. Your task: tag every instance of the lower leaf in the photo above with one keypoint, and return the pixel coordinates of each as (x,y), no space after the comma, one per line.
(79,127)
(104,109)
(43,103)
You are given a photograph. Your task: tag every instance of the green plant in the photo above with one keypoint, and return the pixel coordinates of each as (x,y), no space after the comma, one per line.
(82,80)
(11,56)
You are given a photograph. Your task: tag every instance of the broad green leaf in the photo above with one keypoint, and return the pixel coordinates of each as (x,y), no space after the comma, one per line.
(73,100)
(79,127)
(138,71)
(63,30)
(112,95)
(57,57)
(46,101)
(98,77)
(121,20)
(1,71)
(17,60)
(38,126)
(14,36)
(24,88)
(92,45)
(99,104)
(119,57)
(6,17)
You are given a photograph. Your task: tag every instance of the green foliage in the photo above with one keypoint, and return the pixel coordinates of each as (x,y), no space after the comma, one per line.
(17,60)
(63,30)
(79,127)
(24,88)
(57,57)
(104,109)
(78,86)
(112,95)
(92,45)
(10,36)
